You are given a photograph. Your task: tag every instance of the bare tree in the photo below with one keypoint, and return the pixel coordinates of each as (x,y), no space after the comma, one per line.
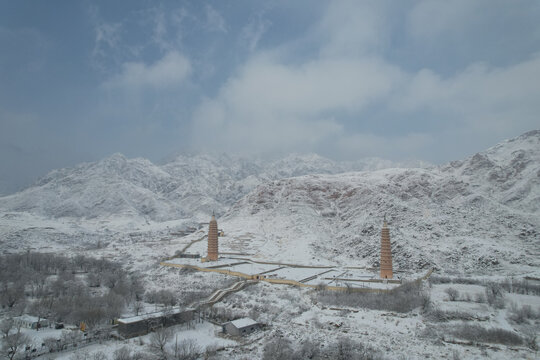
(93,280)
(53,344)
(115,304)
(138,306)
(278,349)
(5,326)
(159,338)
(344,349)
(40,309)
(136,288)
(13,343)
(124,353)
(11,294)
(99,355)
(495,295)
(186,350)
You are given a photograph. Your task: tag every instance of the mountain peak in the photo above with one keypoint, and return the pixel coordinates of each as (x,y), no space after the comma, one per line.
(531,134)
(202,182)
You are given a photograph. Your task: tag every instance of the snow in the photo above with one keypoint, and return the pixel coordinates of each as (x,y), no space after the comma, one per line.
(139,190)
(244,322)
(38,336)
(476,217)
(204,335)
(152,315)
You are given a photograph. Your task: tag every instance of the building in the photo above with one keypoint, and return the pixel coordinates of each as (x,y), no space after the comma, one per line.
(386,253)
(212,240)
(143,324)
(31,322)
(241,327)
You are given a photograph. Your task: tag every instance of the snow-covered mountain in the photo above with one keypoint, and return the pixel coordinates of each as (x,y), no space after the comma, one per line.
(113,186)
(508,173)
(185,187)
(480,213)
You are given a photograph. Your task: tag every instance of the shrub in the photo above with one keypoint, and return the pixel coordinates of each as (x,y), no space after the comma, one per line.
(530,341)
(438,315)
(452,293)
(345,348)
(123,353)
(437,279)
(521,287)
(521,314)
(402,299)
(165,297)
(494,295)
(478,333)
(480,298)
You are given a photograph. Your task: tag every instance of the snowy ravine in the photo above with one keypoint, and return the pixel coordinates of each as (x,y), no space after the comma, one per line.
(476,215)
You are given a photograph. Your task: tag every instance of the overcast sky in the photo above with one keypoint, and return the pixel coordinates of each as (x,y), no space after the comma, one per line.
(430,80)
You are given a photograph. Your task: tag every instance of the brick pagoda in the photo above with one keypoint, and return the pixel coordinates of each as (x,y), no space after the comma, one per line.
(212,240)
(386,253)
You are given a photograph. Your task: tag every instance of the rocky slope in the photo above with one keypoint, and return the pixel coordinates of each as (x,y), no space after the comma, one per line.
(185,187)
(480,214)
(508,173)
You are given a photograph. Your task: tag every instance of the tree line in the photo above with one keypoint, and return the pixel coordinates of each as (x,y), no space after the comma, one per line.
(66,289)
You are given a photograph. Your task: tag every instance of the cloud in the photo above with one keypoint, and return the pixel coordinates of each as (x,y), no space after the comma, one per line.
(428,20)
(107,37)
(371,145)
(159,32)
(352,28)
(214,20)
(252,33)
(481,98)
(270,105)
(349,100)
(170,70)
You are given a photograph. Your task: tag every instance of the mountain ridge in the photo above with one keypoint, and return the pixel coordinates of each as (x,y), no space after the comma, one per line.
(458,217)
(478,215)
(182,187)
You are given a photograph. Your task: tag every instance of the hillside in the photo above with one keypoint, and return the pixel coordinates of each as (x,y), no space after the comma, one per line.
(184,187)
(479,214)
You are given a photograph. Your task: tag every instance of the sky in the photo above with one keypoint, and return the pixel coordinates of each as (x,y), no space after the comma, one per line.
(429,80)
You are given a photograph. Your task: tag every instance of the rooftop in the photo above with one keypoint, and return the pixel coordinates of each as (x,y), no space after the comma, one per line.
(244,322)
(153,315)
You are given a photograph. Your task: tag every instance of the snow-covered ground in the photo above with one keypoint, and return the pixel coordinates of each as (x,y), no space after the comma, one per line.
(478,217)
(309,275)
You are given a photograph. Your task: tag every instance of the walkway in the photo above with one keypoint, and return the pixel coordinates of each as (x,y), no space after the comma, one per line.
(219,294)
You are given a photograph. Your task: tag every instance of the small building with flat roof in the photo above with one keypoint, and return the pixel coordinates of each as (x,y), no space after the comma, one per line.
(143,324)
(241,327)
